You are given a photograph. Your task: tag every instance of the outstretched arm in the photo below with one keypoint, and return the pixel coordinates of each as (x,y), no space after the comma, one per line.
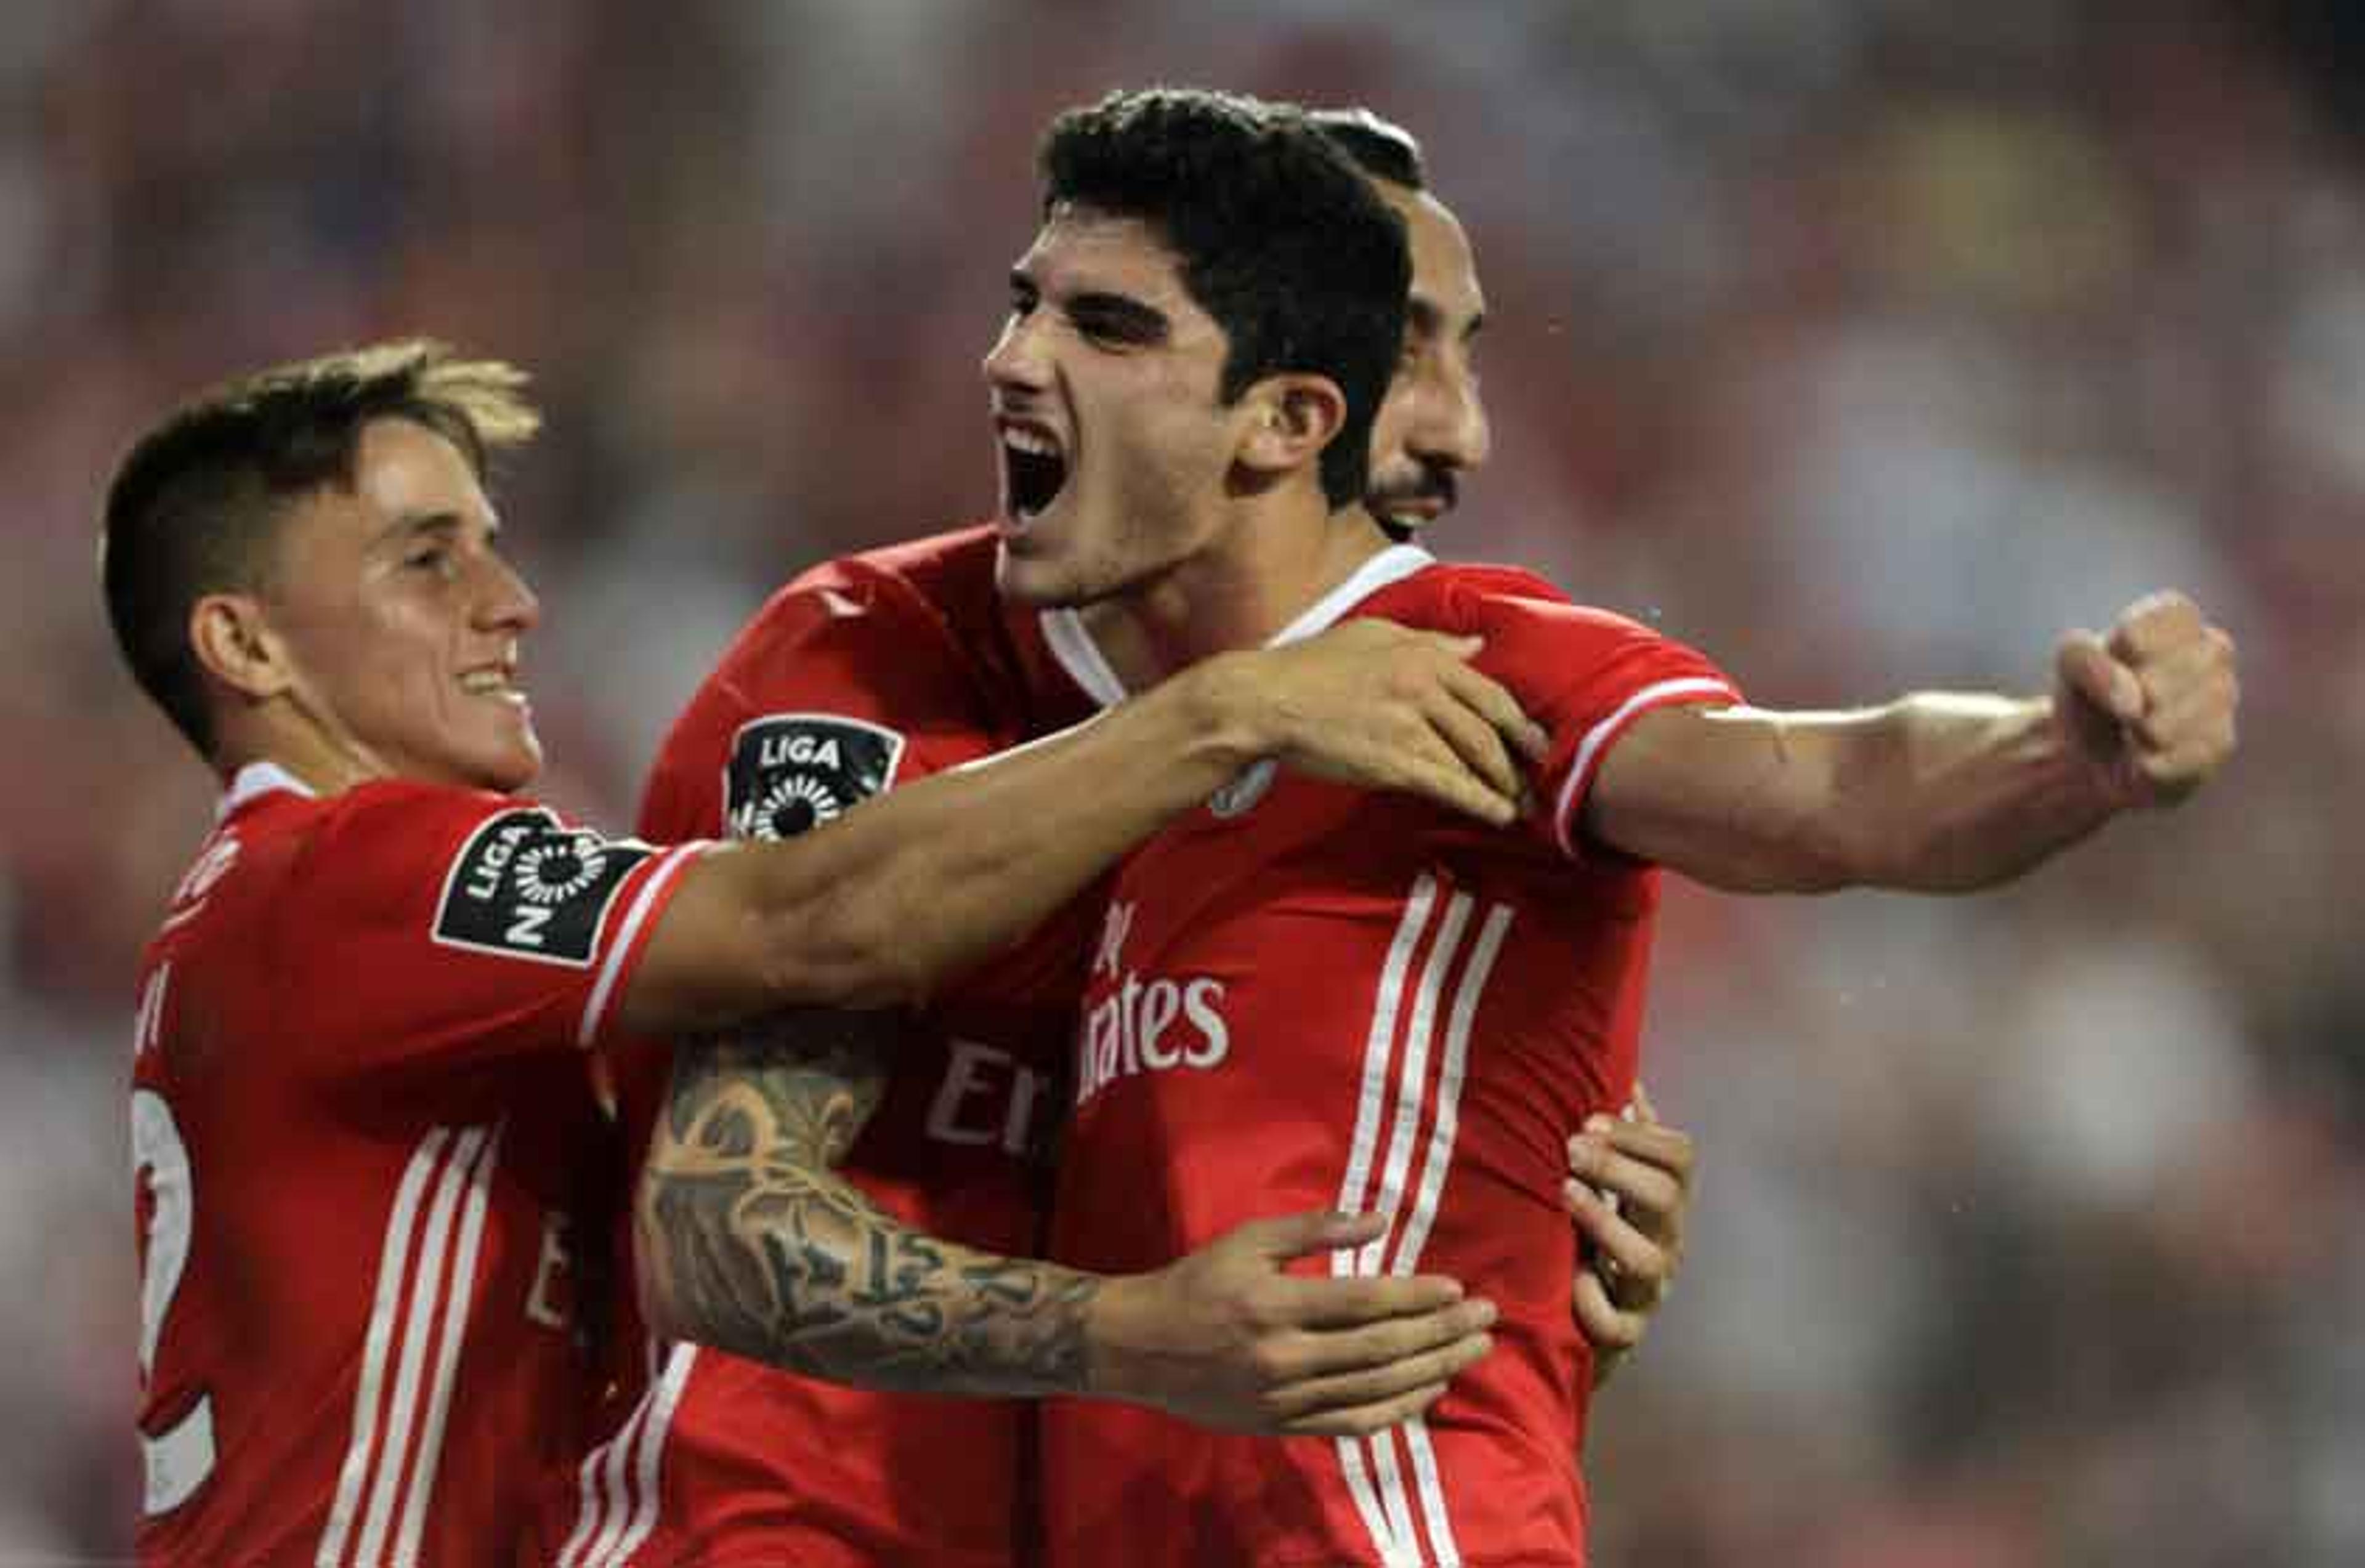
(750,1241)
(883,903)
(1936,792)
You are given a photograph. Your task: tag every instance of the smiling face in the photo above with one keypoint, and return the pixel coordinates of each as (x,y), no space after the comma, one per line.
(398,621)
(1104,383)
(1433,426)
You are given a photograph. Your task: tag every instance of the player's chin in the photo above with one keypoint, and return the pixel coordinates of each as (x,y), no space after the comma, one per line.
(1030,574)
(510,763)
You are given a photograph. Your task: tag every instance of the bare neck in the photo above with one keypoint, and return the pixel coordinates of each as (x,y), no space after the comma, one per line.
(1236,595)
(275,731)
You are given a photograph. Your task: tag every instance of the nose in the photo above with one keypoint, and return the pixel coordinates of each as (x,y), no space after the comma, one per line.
(507,602)
(1014,363)
(1456,434)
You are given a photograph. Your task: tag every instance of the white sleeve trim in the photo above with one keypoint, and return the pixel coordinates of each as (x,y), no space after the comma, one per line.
(1589,750)
(628,931)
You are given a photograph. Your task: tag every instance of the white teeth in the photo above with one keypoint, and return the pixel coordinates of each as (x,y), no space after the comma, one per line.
(485,682)
(1029,443)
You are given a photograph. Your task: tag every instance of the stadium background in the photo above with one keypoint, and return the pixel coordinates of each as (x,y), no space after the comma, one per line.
(1867,342)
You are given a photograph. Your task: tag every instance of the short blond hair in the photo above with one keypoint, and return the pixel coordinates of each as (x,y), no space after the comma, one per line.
(195,505)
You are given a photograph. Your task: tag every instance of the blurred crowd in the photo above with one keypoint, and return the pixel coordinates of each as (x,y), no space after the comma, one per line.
(1867,343)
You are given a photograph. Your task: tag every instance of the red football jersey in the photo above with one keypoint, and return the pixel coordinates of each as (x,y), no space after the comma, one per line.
(862,674)
(1304,995)
(361,1124)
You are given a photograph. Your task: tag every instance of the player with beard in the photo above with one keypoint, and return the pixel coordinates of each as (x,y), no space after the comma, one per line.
(1630,1187)
(1311,994)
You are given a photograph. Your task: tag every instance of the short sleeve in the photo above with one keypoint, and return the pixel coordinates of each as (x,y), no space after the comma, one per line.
(441,927)
(846,683)
(1586,675)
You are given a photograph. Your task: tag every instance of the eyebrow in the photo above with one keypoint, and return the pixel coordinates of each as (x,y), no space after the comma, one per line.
(412,525)
(1120,316)
(1423,316)
(1101,310)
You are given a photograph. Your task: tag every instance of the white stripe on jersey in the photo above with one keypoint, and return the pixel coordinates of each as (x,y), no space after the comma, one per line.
(457,1299)
(1371,1105)
(621,1482)
(1372,1101)
(612,964)
(1394,1552)
(646,1460)
(589,1494)
(392,1257)
(1376,1468)
(396,1453)
(1412,1079)
(1449,1090)
(1580,766)
(1432,1493)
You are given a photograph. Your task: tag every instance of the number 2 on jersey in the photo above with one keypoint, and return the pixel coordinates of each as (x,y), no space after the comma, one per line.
(180,1457)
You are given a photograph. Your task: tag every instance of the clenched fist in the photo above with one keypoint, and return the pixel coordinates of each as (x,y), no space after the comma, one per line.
(2150,707)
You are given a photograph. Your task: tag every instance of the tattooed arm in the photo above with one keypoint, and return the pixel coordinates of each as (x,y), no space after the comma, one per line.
(750,1241)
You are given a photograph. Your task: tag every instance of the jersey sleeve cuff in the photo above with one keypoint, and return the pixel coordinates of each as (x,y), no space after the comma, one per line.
(1595,744)
(630,935)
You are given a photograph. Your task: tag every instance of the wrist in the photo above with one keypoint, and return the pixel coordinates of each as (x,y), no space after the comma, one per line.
(1112,1332)
(1234,720)
(2086,752)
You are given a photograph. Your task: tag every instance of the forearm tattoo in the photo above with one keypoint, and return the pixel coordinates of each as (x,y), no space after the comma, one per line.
(758,1245)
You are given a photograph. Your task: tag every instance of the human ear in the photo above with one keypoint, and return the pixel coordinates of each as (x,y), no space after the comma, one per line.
(234,643)
(1290,420)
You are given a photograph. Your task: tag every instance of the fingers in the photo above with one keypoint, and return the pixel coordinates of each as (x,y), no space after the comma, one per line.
(1283,1237)
(2191,695)
(2163,687)
(1476,723)
(1645,1164)
(1296,1300)
(2088,670)
(1632,1265)
(1478,744)
(1368,1398)
(1295,1356)
(1494,703)
(1361,1420)
(2154,624)
(1383,706)
(1428,767)
(1611,1328)
(1630,1183)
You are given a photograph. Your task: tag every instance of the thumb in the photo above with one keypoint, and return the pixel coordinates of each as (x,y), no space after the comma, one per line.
(2088,671)
(1317,1230)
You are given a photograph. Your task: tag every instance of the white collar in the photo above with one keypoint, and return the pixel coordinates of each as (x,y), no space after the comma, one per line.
(255,780)
(1063,629)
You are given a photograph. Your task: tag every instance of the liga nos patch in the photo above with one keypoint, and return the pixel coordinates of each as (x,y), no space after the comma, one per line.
(528,886)
(790,773)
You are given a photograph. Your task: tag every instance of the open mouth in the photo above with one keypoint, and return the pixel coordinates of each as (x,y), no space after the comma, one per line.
(495,680)
(1033,471)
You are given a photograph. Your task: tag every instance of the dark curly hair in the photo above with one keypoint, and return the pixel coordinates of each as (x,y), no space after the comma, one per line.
(1280,239)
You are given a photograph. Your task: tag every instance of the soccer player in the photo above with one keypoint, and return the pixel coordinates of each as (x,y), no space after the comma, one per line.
(892,666)
(1394,1012)
(360,1113)
(1631,1179)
